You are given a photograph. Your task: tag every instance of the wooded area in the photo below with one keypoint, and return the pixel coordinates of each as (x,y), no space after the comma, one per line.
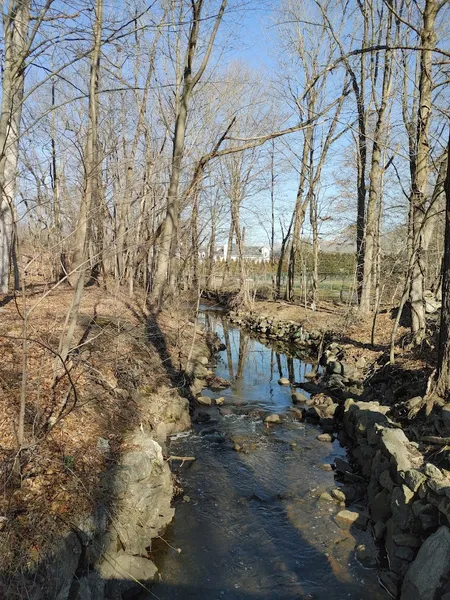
(133,143)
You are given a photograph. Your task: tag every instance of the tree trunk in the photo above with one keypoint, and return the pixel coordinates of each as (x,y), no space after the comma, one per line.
(80,257)
(16,41)
(375,180)
(443,370)
(422,170)
(169,234)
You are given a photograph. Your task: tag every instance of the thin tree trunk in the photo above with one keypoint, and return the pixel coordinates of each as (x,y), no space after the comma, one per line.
(375,178)
(16,22)
(80,259)
(443,369)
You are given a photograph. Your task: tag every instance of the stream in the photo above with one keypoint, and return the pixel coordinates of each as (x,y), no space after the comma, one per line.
(249,524)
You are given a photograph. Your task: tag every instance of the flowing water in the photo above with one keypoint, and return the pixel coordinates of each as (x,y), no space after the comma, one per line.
(249,524)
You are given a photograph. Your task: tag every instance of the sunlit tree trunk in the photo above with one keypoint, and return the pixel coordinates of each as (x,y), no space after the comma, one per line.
(422,170)
(15,32)
(91,182)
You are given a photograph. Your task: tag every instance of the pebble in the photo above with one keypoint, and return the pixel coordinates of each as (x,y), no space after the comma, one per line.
(338,494)
(325,437)
(326,467)
(204,400)
(272,419)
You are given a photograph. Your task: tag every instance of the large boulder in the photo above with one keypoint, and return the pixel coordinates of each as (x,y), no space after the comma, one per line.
(402,455)
(142,484)
(430,570)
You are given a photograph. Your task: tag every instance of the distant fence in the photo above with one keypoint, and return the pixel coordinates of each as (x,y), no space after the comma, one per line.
(331,286)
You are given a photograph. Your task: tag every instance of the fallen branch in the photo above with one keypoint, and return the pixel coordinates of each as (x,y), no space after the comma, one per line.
(434,439)
(181,458)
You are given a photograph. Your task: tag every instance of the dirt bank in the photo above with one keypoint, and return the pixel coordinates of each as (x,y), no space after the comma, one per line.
(93,436)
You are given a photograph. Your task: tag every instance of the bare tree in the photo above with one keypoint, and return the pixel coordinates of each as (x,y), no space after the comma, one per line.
(18,41)
(169,232)
(80,257)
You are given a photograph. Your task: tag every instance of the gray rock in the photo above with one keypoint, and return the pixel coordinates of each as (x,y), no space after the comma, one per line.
(299,398)
(325,437)
(401,505)
(197,386)
(439,486)
(361,362)
(129,568)
(425,514)
(297,412)
(430,568)
(412,478)
(200,371)
(386,481)
(396,446)
(432,471)
(379,529)
(331,409)
(367,556)
(62,569)
(407,539)
(91,587)
(391,582)
(326,497)
(338,494)
(404,553)
(380,506)
(326,467)
(204,400)
(142,482)
(313,414)
(342,465)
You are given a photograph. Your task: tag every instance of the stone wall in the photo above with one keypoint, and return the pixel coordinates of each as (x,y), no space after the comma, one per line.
(288,332)
(408,503)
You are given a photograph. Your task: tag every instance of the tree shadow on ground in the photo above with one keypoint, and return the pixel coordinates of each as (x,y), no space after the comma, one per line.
(157,339)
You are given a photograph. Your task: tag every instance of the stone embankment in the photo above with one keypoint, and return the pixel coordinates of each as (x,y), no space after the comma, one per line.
(408,502)
(288,332)
(389,487)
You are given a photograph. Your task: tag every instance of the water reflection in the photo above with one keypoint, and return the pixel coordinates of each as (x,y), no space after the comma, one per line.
(253,368)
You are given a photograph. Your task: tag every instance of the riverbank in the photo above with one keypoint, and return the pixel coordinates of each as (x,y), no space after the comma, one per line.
(398,452)
(93,485)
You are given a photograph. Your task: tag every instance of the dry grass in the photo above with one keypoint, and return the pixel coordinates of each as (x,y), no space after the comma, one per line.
(61,468)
